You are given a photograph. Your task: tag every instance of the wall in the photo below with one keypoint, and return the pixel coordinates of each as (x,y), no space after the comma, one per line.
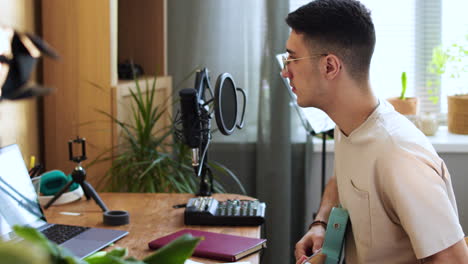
(19,120)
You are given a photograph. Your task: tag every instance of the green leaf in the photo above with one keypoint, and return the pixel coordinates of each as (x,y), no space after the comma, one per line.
(429,83)
(98,254)
(118,252)
(106,259)
(403,86)
(34,236)
(23,253)
(115,256)
(175,252)
(434,99)
(227,171)
(56,253)
(153,164)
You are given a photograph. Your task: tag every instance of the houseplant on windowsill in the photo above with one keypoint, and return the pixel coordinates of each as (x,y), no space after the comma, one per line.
(427,121)
(452,60)
(404,105)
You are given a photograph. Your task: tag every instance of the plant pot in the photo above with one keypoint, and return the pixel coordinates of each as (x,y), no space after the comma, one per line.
(457,117)
(409,106)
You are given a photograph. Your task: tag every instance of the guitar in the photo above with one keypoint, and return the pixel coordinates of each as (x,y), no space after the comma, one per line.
(334,238)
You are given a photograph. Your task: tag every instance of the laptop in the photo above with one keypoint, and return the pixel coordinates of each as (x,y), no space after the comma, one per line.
(19,205)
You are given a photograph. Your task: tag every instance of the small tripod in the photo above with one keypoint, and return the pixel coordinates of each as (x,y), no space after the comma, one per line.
(79,176)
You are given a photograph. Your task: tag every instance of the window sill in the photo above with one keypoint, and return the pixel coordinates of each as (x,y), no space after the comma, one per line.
(443,142)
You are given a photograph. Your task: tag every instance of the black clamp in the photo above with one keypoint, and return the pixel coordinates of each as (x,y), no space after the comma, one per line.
(116,218)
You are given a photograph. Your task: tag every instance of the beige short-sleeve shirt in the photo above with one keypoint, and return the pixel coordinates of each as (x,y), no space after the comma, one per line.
(397,190)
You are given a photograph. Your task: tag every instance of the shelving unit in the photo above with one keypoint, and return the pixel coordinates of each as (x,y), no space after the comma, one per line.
(92,37)
(163,99)
(141,34)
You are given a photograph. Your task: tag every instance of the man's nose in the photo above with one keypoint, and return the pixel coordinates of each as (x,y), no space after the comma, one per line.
(285,73)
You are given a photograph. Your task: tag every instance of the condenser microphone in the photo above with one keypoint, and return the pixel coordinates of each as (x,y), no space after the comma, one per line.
(191,121)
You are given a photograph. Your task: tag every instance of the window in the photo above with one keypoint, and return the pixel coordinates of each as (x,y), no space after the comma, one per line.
(454,30)
(407,31)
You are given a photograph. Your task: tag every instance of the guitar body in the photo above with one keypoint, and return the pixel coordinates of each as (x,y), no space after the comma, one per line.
(334,238)
(335,234)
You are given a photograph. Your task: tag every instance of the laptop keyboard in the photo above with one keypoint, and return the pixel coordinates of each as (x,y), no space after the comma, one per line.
(61,233)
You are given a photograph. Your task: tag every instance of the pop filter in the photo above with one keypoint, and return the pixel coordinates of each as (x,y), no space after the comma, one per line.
(225,104)
(196,120)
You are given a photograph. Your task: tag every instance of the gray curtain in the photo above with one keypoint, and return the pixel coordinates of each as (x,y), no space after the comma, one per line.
(242,37)
(274,182)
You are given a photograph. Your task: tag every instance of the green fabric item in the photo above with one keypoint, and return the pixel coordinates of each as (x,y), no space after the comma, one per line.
(53,181)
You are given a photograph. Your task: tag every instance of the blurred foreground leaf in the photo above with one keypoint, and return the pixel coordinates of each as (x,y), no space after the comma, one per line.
(175,252)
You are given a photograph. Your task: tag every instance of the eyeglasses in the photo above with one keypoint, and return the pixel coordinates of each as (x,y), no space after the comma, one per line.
(286,61)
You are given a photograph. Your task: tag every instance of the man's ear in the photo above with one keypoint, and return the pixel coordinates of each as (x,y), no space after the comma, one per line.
(332,67)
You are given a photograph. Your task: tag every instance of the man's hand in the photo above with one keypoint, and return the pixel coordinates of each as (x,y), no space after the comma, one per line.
(316,259)
(313,239)
(310,242)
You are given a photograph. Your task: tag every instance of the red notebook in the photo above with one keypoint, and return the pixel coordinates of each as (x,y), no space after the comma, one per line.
(216,245)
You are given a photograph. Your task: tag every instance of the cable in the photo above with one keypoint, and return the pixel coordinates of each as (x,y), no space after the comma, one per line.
(202,160)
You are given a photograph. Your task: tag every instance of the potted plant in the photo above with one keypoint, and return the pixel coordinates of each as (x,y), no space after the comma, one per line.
(404,105)
(35,248)
(146,160)
(452,60)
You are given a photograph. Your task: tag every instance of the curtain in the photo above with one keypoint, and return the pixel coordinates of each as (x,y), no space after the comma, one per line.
(274,182)
(242,37)
(223,36)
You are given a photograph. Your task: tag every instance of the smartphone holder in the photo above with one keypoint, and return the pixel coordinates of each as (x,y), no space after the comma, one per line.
(79,176)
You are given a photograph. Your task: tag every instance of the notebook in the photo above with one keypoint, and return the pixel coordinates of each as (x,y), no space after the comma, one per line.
(216,246)
(19,205)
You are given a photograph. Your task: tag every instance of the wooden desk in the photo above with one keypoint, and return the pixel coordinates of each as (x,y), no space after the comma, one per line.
(151,216)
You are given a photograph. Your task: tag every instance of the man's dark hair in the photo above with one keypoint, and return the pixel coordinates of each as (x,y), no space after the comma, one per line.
(341,27)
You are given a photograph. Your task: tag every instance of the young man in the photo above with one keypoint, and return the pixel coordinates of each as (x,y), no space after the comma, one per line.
(388,176)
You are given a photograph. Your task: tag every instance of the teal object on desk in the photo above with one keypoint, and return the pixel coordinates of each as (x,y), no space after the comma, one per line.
(53,181)
(335,234)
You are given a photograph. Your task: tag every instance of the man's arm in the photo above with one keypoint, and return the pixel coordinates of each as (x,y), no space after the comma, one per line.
(456,254)
(313,239)
(329,200)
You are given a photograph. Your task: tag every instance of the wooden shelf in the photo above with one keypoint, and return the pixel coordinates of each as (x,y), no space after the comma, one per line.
(91,38)
(142,34)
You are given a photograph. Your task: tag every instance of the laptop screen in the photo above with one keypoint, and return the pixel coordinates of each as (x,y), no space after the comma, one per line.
(18,199)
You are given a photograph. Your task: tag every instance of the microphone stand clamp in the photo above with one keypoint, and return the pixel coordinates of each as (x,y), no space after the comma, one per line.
(79,176)
(113,218)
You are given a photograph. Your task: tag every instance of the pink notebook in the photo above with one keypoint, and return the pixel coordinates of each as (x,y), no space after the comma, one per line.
(216,245)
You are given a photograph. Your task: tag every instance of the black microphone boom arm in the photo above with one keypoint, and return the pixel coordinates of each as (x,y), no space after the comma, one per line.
(196,118)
